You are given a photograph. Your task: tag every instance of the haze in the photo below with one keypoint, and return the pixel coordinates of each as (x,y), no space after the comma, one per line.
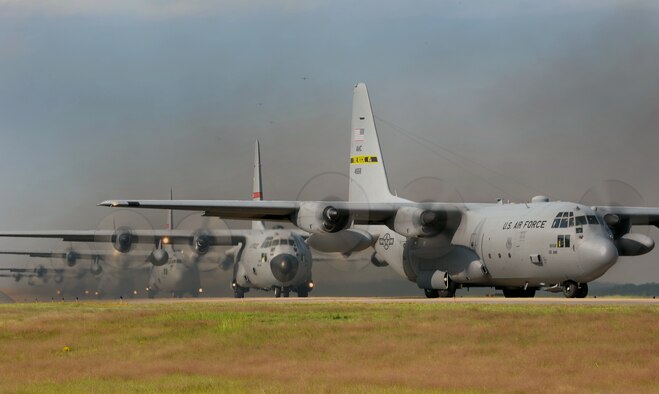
(126,99)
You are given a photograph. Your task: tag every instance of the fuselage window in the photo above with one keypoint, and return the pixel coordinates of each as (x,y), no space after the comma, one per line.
(592,219)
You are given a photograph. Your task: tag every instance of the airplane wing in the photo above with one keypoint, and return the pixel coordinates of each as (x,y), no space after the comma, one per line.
(363,213)
(87,255)
(638,216)
(215,237)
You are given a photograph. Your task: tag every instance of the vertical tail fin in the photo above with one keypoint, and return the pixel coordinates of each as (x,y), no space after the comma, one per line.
(257,184)
(368,178)
(169,225)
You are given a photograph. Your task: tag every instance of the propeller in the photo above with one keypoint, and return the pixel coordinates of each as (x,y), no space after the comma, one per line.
(119,232)
(613,192)
(201,248)
(333,186)
(431,189)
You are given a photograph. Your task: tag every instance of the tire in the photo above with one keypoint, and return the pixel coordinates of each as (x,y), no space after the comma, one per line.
(238,292)
(285,293)
(511,293)
(277,292)
(570,289)
(582,291)
(446,293)
(431,293)
(302,291)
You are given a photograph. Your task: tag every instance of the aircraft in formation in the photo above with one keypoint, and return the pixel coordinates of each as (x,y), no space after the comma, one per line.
(267,259)
(441,246)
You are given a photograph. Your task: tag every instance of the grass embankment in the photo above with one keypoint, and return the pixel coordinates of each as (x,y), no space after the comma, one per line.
(284,347)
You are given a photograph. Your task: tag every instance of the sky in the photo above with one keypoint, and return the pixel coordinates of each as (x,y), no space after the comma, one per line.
(480,100)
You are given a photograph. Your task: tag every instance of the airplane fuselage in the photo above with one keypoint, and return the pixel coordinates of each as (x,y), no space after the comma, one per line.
(507,245)
(175,277)
(274,258)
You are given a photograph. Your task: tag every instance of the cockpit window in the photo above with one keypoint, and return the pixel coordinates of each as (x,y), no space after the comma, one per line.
(275,242)
(592,219)
(291,242)
(580,220)
(564,223)
(266,243)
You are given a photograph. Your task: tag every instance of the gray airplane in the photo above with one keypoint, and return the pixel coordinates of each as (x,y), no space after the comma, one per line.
(267,259)
(518,248)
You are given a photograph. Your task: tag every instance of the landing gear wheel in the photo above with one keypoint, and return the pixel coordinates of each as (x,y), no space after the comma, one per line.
(277,292)
(519,293)
(303,291)
(286,292)
(431,293)
(238,292)
(448,293)
(582,292)
(570,289)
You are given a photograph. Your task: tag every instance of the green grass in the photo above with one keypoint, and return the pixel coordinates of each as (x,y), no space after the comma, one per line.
(328,347)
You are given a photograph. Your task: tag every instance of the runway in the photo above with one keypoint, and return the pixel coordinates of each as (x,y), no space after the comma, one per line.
(411,300)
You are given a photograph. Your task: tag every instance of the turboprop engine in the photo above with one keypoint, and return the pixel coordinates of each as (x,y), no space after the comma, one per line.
(201,243)
(123,239)
(71,257)
(322,218)
(417,222)
(628,244)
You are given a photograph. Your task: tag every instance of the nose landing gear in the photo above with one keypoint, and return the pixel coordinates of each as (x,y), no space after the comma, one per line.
(572,289)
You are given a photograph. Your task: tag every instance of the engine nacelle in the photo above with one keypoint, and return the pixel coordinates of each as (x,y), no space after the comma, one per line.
(201,243)
(122,240)
(71,258)
(158,257)
(634,244)
(417,222)
(322,218)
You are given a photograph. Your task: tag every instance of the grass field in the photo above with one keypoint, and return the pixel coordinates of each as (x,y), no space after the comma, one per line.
(328,347)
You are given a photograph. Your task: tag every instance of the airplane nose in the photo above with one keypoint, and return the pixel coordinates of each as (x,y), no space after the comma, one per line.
(284,267)
(596,256)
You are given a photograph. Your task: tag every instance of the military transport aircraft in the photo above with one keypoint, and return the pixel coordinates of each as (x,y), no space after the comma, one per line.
(519,248)
(268,259)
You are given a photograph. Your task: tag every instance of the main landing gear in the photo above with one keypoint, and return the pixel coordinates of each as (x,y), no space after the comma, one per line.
(519,292)
(238,291)
(572,289)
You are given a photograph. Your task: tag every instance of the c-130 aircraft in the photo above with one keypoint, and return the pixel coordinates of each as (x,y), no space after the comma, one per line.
(518,248)
(267,259)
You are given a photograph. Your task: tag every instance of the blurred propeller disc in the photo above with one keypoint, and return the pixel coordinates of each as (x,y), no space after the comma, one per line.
(123,226)
(333,186)
(202,226)
(612,192)
(431,189)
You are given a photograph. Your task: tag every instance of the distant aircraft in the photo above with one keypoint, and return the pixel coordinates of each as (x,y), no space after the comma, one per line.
(267,259)
(39,272)
(518,248)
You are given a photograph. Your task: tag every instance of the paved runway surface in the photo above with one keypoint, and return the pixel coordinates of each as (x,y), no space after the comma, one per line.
(376,300)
